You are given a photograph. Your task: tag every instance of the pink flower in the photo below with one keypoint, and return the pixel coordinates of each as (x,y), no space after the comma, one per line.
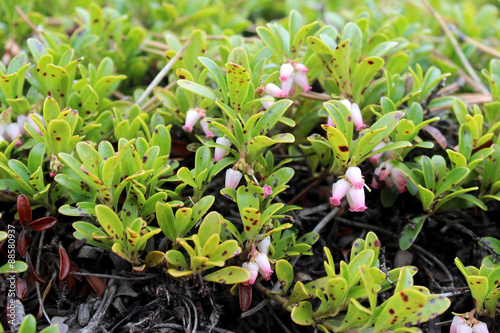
(301,80)
(339,190)
(264,244)
(330,122)
(399,179)
(267,104)
(233,178)
(355,177)
(32,122)
(292,75)
(456,321)
(201,112)
(264,265)
(204,127)
(221,152)
(286,71)
(300,67)
(267,190)
(355,111)
(385,170)
(480,328)
(192,117)
(464,328)
(273,90)
(375,159)
(287,86)
(13,132)
(356,199)
(253,268)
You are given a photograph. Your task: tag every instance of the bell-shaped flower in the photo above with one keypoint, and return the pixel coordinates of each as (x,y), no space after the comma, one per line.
(267,104)
(347,103)
(300,67)
(267,190)
(286,71)
(457,320)
(32,122)
(399,179)
(219,151)
(204,126)
(357,118)
(330,122)
(355,177)
(13,132)
(288,85)
(264,265)
(480,328)
(339,190)
(264,244)
(385,170)
(356,200)
(273,90)
(253,268)
(301,80)
(3,127)
(21,120)
(233,178)
(464,328)
(375,159)
(192,117)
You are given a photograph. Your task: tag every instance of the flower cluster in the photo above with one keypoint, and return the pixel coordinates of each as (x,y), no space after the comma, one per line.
(355,111)
(13,130)
(352,188)
(460,325)
(192,117)
(259,263)
(391,175)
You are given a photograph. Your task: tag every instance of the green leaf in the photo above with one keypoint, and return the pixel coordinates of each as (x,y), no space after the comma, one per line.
(453,178)
(197,89)
(176,258)
(111,223)
(284,272)
(14,268)
(28,325)
(217,75)
(479,289)
(364,75)
(238,80)
(410,232)
(302,314)
(399,307)
(229,275)
(426,196)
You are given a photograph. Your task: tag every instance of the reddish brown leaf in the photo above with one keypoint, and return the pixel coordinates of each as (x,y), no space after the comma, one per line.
(97,284)
(70,282)
(23,242)
(20,288)
(437,135)
(42,224)
(245,296)
(179,148)
(64,265)
(487,144)
(23,209)
(31,269)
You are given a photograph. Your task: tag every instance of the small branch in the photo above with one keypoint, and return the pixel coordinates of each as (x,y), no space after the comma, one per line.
(316,96)
(117,277)
(158,45)
(255,309)
(465,62)
(150,50)
(28,21)
(326,219)
(480,46)
(304,192)
(163,72)
(37,269)
(109,295)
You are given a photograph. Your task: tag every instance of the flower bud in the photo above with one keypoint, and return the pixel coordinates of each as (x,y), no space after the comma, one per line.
(263,245)
(357,118)
(300,67)
(375,159)
(339,190)
(267,104)
(264,265)
(285,71)
(356,199)
(253,268)
(204,126)
(457,320)
(221,152)
(355,177)
(267,190)
(192,117)
(301,80)
(480,328)
(233,178)
(273,90)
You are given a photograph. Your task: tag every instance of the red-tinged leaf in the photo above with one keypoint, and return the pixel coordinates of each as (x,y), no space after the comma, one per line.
(31,269)
(70,282)
(436,135)
(42,224)
(97,284)
(21,287)
(245,293)
(64,265)
(23,209)
(23,242)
